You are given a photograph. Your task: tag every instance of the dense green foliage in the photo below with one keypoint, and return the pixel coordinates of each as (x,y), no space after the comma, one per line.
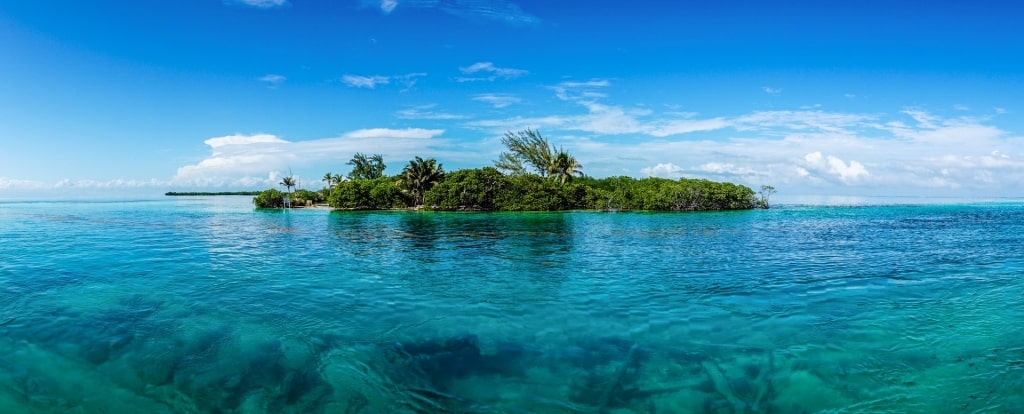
(366,167)
(203,193)
(272,198)
(420,176)
(661,194)
(489,189)
(526,148)
(380,193)
(537,177)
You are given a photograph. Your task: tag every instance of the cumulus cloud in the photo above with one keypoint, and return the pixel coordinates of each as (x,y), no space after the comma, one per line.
(846,172)
(490,72)
(664,170)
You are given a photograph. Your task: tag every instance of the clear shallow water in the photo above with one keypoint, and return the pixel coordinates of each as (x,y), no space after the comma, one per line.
(204,305)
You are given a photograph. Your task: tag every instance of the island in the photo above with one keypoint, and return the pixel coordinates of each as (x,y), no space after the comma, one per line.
(532,175)
(204,193)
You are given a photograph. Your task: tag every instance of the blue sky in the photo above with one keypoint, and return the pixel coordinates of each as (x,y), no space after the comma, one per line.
(815,98)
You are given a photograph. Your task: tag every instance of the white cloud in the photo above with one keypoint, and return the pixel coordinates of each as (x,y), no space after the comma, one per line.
(663,170)
(577,90)
(1000,111)
(11,183)
(772,91)
(499,10)
(369,82)
(272,79)
(922,117)
(492,71)
(238,159)
(425,112)
(960,107)
(262,4)
(807,151)
(497,100)
(800,121)
(846,172)
(719,168)
(685,126)
(408,80)
(386,133)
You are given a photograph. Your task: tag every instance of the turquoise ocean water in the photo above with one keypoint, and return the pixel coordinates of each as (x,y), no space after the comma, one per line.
(206,305)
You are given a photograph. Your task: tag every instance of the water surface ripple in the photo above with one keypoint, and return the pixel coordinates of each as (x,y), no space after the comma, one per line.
(205,305)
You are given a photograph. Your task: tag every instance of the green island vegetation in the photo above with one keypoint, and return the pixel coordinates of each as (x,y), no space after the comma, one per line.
(532,175)
(204,193)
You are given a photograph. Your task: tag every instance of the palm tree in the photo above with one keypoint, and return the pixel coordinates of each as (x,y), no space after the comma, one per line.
(564,166)
(366,167)
(329,179)
(420,176)
(288,182)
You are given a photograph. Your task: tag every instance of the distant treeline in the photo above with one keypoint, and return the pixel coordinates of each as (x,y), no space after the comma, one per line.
(221,193)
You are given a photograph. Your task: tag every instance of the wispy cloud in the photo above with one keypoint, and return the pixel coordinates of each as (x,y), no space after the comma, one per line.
(408,81)
(804,120)
(497,100)
(272,79)
(477,10)
(261,4)
(426,112)
(368,82)
(388,6)
(772,91)
(576,90)
(490,72)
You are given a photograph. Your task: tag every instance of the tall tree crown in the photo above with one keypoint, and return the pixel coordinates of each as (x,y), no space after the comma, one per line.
(366,167)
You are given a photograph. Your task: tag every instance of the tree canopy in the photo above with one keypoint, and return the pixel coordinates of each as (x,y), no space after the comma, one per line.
(421,175)
(531,176)
(526,149)
(366,167)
